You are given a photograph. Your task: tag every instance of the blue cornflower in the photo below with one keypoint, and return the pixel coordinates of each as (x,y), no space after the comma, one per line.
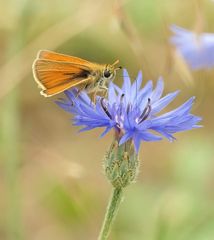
(132,111)
(196,49)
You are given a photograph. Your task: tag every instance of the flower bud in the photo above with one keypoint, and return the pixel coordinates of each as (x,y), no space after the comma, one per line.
(121,164)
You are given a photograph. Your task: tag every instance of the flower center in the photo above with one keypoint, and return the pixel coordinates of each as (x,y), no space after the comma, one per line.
(119,116)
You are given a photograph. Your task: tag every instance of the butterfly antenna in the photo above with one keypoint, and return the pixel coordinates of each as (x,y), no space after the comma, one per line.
(115,63)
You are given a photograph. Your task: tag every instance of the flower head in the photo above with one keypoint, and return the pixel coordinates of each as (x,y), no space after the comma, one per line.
(196,49)
(132,111)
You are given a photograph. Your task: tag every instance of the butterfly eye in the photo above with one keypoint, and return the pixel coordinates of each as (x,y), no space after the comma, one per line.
(107,74)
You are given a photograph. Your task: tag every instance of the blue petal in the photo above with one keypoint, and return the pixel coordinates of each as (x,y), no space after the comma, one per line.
(143,96)
(137,140)
(147,136)
(184,108)
(106,131)
(127,82)
(136,86)
(126,137)
(166,135)
(158,91)
(163,102)
(111,94)
(69,94)
(66,106)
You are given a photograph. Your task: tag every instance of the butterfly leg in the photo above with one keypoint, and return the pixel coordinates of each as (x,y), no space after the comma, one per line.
(94,94)
(105,90)
(93,97)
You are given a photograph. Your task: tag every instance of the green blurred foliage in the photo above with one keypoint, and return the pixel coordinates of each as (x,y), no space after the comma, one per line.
(51,179)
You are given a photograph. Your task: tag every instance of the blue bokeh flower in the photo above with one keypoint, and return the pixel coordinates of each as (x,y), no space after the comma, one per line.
(196,49)
(131,111)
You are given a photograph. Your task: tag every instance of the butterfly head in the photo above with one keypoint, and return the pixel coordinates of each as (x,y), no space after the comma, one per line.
(109,72)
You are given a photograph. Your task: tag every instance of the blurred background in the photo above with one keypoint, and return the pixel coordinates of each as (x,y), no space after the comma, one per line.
(52,184)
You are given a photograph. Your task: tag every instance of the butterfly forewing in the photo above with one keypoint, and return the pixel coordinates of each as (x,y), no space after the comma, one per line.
(56,76)
(49,55)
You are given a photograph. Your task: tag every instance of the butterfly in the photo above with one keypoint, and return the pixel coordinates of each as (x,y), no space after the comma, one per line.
(55,73)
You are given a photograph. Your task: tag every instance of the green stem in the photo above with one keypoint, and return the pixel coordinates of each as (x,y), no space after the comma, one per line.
(111,212)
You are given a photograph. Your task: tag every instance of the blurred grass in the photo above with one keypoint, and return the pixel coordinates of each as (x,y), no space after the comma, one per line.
(11,133)
(51,179)
(10,148)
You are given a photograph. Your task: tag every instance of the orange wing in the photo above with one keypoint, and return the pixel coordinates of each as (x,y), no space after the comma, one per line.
(53,56)
(56,76)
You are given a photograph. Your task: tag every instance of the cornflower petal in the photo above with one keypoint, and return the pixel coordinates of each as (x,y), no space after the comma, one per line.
(158,91)
(182,110)
(163,102)
(137,139)
(143,96)
(125,137)
(106,131)
(111,94)
(126,88)
(136,86)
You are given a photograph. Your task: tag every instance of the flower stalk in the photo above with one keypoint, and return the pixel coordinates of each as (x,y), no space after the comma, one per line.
(111,212)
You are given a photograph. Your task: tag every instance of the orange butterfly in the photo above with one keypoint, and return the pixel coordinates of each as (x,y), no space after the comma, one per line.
(56,72)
